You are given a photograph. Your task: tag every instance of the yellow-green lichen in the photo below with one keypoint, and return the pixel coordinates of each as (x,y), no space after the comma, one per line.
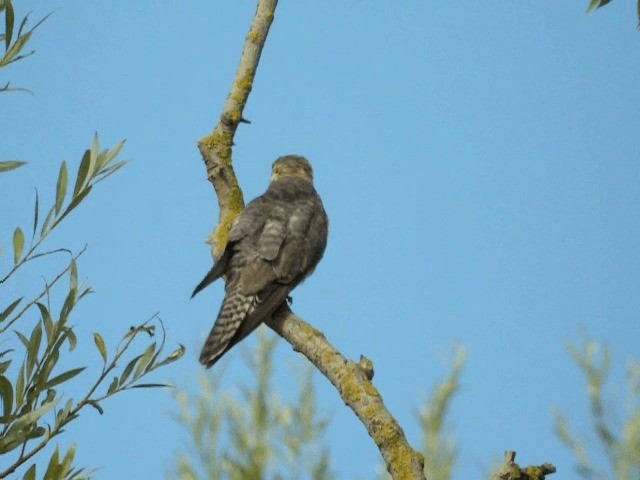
(244,85)
(221,143)
(534,473)
(254,36)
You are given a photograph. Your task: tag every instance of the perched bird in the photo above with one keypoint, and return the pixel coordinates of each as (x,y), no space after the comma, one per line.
(274,244)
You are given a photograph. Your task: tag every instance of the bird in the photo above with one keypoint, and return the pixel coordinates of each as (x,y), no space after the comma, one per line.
(274,244)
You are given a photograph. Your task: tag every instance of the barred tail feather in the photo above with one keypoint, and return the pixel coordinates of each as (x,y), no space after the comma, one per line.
(222,337)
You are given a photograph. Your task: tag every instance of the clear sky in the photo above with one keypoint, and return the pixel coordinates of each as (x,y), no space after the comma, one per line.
(478,161)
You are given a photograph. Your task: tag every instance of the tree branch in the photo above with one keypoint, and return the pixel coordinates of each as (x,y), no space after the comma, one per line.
(216,148)
(352,380)
(510,470)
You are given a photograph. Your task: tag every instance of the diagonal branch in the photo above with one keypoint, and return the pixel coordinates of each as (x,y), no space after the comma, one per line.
(352,380)
(216,148)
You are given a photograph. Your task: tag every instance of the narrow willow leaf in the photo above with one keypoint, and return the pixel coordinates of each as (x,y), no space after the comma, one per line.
(47,322)
(19,390)
(31,473)
(9,20)
(4,366)
(18,244)
(68,460)
(103,157)
(34,415)
(6,395)
(83,172)
(128,369)
(71,336)
(73,274)
(45,225)
(33,348)
(63,377)
(61,187)
(37,432)
(36,216)
(144,360)
(68,305)
(102,348)
(115,151)
(47,367)
(12,439)
(54,466)
(110,170)
(63,414)
(23,339)
(7,311)
(150,385)
(96,405)
(175,355)
(6,166)
(113,386)
(95,151)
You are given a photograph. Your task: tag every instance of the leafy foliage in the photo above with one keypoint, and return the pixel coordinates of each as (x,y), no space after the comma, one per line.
(14,45)
(253,435)
(31,377)
(438,444)
(620,442)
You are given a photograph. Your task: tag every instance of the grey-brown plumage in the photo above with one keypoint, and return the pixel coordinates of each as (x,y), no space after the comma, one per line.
(274,244)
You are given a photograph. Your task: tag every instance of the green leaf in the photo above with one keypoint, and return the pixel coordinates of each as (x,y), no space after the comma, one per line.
(49,327)
(73,274)
(8,24)
(10,165)
(53,469)
(68,305)
(110,170)
(61,187)
(4,366)
(96,405)
(102,348)
(144,360)
(19,390)
(7,311)
(71,336)
(93,157)
(128,369)
(68,460)
(175,355)
(6,395)
(150,385)
(47,220)
(36,213)
(115,152)
(18,244)
(113,386)
(63,377)
(83,172)
(33,416)
(23,339)
(63,414)
(33,348)
(31,473)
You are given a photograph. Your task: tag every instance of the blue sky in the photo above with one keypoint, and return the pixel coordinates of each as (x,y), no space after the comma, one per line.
(478,161)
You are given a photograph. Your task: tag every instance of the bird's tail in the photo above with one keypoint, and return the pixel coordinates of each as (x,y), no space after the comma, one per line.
(230,326)
(211,276)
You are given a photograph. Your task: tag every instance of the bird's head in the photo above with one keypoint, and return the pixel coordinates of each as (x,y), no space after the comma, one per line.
(292,166)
